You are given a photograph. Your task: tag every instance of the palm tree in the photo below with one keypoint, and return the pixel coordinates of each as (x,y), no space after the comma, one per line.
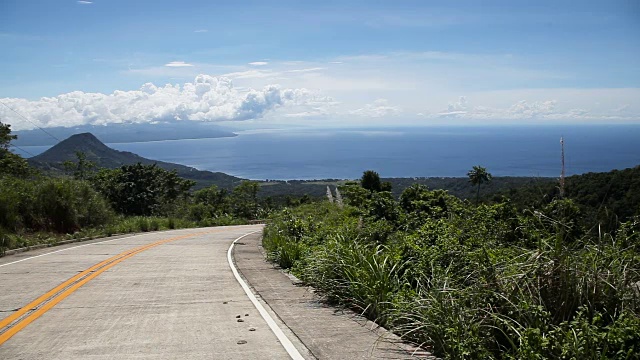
(477,176)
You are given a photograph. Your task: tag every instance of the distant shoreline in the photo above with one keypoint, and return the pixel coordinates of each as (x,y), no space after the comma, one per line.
(52,142)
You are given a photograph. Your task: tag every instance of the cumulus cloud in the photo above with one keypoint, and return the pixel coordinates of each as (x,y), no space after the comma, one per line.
(207,98)
(379,108)
(457,108)
(259,63)
(178,64)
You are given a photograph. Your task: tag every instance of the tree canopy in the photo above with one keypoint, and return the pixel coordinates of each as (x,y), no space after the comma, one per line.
(10,163)
(142,189)
(371,181)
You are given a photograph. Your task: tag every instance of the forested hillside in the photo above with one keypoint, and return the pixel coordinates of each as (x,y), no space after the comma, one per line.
(103,156)
(603,199)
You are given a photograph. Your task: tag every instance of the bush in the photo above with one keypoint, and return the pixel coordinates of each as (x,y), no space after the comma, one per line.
(60,205)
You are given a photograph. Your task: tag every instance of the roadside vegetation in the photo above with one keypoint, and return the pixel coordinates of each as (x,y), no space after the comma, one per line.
(496,280)
(90,202)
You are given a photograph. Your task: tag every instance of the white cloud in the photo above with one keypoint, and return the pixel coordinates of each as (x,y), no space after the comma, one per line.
(83,2)
(457,108)
(622,109)
(306,70)
(251,74)
(427,83)
(207,98)
(524,109)
(178,64)
(201,31)
(520,110)
(307,114)
(544,110)
(379,108)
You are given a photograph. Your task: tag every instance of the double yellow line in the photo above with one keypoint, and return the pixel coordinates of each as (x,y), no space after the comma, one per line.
(15,322)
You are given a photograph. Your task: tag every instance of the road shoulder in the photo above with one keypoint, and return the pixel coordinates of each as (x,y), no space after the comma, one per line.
(326,332)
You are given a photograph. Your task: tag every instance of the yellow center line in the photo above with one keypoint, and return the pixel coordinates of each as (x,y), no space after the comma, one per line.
(60,292)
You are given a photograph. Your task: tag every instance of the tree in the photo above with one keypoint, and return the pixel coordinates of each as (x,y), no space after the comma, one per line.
(6,137)
(11,163)
(386,186)
(81,169)
(371,181)
(355,194)
(142,189)
(244,200)
(419,200)
(210,202)
(478,176)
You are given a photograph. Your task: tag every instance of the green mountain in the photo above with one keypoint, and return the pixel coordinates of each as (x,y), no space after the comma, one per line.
(51,161)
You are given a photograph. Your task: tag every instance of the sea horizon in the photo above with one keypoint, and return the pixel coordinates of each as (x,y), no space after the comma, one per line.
(433,151)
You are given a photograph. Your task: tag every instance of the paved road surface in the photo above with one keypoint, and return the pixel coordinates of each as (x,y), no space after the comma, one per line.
(165,295)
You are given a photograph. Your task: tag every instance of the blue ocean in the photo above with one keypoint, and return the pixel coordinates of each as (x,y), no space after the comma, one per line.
(403,152)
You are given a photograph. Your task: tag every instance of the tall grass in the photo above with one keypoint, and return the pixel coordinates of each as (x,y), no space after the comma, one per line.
(479,283)
(360,276)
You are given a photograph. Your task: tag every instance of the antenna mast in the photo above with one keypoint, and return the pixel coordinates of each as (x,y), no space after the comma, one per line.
(562,174)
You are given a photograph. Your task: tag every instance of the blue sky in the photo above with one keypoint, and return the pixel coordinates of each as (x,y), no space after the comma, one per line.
(330,62)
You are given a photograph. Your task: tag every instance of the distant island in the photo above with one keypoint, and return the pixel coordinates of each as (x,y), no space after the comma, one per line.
(126,133)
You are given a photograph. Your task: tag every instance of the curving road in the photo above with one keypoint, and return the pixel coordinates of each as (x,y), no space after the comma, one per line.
(164,295)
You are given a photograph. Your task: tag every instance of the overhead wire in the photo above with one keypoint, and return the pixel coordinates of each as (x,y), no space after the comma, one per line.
(29,121)
(21,149)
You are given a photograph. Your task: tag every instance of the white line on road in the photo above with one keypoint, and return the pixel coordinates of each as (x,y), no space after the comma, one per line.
(69,248)
(284,340)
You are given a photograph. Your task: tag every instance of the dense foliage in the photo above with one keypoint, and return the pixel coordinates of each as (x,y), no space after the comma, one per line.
(44,204)
(471,282)
(604,199)
(10,163)
(142,189)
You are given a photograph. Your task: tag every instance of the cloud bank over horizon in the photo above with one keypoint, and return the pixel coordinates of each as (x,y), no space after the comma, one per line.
(207,98)
(252,95)
(540,111)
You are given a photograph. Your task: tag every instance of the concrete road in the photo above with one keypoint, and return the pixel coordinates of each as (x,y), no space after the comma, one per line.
(164,295)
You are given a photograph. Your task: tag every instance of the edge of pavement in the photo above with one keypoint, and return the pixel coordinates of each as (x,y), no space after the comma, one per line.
(88,240)
(316,329)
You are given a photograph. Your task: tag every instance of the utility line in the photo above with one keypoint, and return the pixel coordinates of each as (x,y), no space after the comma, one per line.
(31,122)
(21,149)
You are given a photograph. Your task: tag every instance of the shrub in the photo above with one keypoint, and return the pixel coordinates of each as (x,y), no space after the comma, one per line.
(60,205)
